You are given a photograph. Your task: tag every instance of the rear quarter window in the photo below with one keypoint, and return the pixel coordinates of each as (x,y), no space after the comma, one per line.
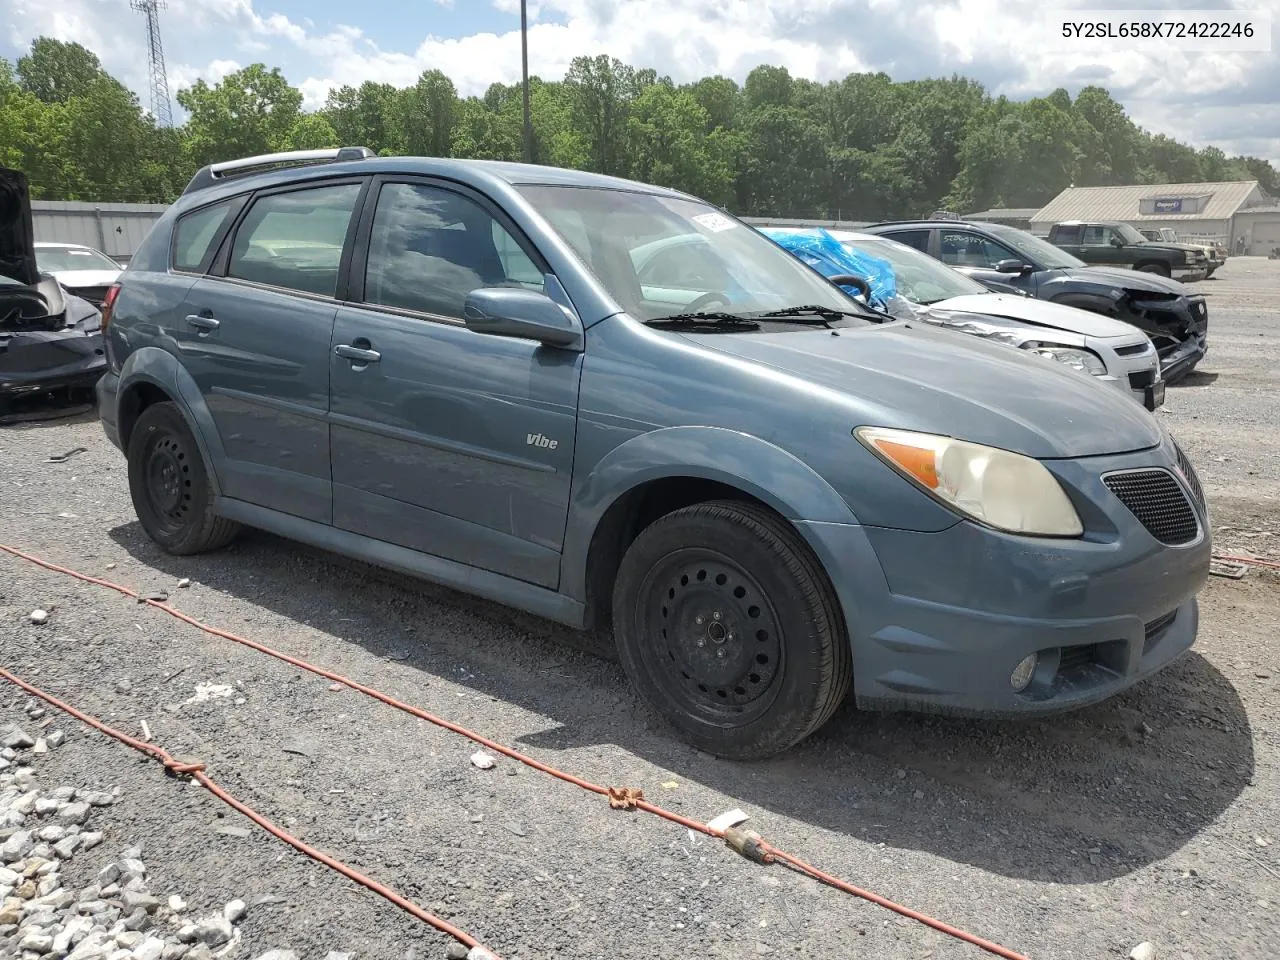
(195,235)
(912,238)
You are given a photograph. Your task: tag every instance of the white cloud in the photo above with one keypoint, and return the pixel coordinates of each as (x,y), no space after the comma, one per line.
(1009,45)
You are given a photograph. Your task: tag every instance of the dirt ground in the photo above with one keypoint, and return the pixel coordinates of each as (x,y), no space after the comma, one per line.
(1153,817)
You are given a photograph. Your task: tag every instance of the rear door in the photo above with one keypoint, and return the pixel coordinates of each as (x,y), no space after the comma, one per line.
(446,441)
(255,335)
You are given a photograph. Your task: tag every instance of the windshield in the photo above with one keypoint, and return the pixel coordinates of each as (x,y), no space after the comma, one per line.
(665,256)
(1042,251)
(1128,234)
(918,277)
(54,259)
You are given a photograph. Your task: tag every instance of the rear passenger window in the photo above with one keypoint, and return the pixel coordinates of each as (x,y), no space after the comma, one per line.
(194,235)
(431,247)
(912,238)
(294,240)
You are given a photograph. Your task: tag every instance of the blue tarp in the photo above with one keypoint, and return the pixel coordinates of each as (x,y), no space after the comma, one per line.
(820,250)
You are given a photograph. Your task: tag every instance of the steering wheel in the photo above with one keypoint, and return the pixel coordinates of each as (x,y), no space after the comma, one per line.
(706,300)
(849,280)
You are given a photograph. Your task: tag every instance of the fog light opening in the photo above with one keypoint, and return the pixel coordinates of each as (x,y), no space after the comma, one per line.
(1020,679)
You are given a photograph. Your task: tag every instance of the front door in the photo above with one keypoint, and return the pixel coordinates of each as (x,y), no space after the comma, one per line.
(453,443)
(977,256)
(256,338)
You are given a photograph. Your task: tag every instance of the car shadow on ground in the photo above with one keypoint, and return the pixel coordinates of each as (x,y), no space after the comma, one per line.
(1196,378)
(1081,798)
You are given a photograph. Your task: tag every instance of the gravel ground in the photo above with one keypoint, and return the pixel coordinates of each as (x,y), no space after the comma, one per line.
(1149,818)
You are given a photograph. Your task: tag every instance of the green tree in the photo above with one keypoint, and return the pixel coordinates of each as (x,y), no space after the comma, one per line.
(311,131)
(601,90)
(425,115)
(365,116)
(248,112)
(670,146)
(55,71)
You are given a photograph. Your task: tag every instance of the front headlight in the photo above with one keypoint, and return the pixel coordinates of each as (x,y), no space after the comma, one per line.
(1001,489)
(1086,361)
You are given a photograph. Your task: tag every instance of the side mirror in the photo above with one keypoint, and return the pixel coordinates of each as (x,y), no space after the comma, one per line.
(523,314)
(1012,266)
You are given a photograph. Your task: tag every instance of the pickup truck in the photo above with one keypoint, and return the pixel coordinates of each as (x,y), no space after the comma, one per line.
(1214,254)
(1109,243)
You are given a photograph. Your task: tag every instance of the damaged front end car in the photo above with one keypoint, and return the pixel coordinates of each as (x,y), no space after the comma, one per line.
(49,340)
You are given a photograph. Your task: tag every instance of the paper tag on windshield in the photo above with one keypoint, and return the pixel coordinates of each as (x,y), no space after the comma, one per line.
(715,222)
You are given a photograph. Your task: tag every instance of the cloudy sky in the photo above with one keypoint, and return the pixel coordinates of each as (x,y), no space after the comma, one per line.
(1220,98)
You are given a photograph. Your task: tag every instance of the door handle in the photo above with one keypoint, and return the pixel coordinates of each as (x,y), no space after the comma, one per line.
(357,354)
(202,323)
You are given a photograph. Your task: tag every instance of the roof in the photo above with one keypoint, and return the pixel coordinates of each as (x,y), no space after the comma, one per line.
(1219,201)
(1005,213)
(476,173)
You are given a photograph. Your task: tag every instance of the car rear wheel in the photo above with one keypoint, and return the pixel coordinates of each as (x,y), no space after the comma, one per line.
(169,486)
(728,626)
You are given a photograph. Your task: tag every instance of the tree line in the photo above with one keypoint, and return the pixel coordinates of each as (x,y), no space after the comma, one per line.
(861,148)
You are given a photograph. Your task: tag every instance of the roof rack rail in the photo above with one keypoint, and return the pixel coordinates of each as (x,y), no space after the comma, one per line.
(213,173)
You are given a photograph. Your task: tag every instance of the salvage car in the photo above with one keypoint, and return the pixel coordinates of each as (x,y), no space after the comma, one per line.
(83,271)
(767,493)
(49,339)
(1175,318)
(917,286)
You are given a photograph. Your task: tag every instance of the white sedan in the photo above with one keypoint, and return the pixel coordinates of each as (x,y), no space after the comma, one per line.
(80,270)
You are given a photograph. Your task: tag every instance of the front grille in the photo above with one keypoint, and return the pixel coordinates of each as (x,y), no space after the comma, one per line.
(1189,474)
(1156,499)
(1143,378)
(1133,350)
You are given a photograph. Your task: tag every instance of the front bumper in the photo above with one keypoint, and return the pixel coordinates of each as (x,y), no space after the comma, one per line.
(938,621)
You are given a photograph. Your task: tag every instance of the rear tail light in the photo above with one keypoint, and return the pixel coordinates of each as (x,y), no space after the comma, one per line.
(108,303)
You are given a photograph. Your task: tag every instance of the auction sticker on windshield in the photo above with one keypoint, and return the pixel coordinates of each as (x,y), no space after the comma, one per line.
(715,222)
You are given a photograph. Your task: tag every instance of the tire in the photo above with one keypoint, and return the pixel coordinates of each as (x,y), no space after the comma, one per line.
(1159,268)
(765,673)
(171,492)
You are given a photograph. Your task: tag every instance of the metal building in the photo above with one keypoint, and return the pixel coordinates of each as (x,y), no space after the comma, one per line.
(1236,213)
(114,228)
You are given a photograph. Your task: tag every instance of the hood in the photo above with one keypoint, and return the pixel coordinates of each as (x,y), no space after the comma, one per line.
(1038,313)
(915,376)
(1168,245)
(1128,279)
(86,278)
(17,237)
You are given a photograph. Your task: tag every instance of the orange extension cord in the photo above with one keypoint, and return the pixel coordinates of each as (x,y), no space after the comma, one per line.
(196,771)
(760,851)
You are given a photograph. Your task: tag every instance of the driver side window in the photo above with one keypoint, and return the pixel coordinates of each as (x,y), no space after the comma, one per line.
(1096,236)
(960,249)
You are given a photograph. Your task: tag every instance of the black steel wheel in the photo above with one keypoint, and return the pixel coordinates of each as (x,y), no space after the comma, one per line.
(727,624)
(169,486)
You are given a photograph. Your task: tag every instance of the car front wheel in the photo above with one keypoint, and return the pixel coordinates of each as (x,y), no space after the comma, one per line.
(171,491)
(728,626)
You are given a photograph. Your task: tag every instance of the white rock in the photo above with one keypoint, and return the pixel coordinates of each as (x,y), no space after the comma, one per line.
(18,739)
(214,931)
(149,949)
(1143,951)
(90,840)
(235,911)
(56,738)
(482,760)
(279,955)
(177,904)
(39,616)
(36,943)
(74,812)
(184,583)
(16,847)
(480,953)
(66,848)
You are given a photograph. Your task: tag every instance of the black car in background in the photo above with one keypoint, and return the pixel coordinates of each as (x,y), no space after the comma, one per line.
(49,339)
(1175,318)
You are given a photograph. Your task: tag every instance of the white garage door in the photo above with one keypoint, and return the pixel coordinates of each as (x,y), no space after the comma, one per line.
(1266,236)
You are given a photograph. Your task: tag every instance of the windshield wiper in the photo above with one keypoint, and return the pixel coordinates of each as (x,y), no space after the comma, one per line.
(709,318)
(822,314)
